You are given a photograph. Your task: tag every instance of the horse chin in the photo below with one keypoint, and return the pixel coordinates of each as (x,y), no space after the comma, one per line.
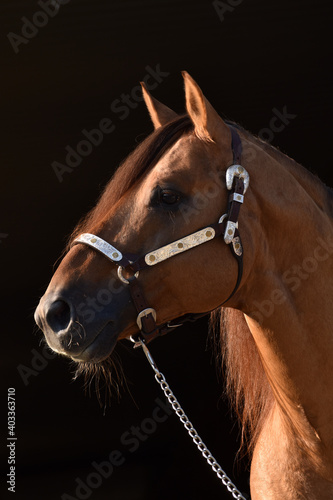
(99,349)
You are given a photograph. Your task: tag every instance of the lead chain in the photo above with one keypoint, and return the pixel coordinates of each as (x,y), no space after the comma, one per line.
(190,429)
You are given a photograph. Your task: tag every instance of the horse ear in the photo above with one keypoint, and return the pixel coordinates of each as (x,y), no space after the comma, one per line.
(208,124)
(159,113)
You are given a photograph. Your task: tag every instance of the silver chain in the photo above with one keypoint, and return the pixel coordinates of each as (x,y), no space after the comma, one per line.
(189,427)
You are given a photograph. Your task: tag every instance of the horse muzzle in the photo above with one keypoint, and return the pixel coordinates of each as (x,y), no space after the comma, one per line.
(68,333)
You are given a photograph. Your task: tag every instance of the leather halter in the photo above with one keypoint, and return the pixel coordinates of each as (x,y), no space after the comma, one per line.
(237,182)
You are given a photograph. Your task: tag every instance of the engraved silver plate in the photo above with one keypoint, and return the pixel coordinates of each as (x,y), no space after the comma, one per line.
(102,246)
(237,246)
(230,231)
(179,246)
(237,171)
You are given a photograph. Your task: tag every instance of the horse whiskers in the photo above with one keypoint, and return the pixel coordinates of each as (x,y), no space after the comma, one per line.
(80,329)
(77,331)
(107,376)
(69,343)
(35,329)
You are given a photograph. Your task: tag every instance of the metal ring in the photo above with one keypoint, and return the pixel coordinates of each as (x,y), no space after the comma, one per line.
(125,280)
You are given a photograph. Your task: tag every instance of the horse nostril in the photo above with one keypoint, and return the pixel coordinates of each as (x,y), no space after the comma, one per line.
(58,315)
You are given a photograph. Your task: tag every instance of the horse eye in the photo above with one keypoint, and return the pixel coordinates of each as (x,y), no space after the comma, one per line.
(169,197)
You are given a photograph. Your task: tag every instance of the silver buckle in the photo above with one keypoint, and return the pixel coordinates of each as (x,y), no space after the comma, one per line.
(237,171)
(144,314)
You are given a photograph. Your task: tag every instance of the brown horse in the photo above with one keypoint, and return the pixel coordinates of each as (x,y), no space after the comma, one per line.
(276,336)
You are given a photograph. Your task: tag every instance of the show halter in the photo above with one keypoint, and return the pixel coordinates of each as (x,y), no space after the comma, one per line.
(237,182)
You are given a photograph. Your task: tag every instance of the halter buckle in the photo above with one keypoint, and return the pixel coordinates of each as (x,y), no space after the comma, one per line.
(144,314)
(237,171)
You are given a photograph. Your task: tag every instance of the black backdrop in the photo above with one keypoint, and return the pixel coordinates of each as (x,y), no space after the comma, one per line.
(70,65)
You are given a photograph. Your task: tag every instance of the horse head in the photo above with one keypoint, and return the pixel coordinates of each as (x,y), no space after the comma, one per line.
(171,186)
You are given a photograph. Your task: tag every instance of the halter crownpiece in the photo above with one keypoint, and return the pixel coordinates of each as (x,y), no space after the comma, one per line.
(237,181)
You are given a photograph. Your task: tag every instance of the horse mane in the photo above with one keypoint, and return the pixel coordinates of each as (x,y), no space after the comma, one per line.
(246,384)
(132,170)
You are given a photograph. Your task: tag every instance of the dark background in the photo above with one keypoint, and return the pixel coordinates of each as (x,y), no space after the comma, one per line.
(263,55)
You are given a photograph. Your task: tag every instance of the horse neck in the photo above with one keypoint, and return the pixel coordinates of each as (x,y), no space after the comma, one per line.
(287,295)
